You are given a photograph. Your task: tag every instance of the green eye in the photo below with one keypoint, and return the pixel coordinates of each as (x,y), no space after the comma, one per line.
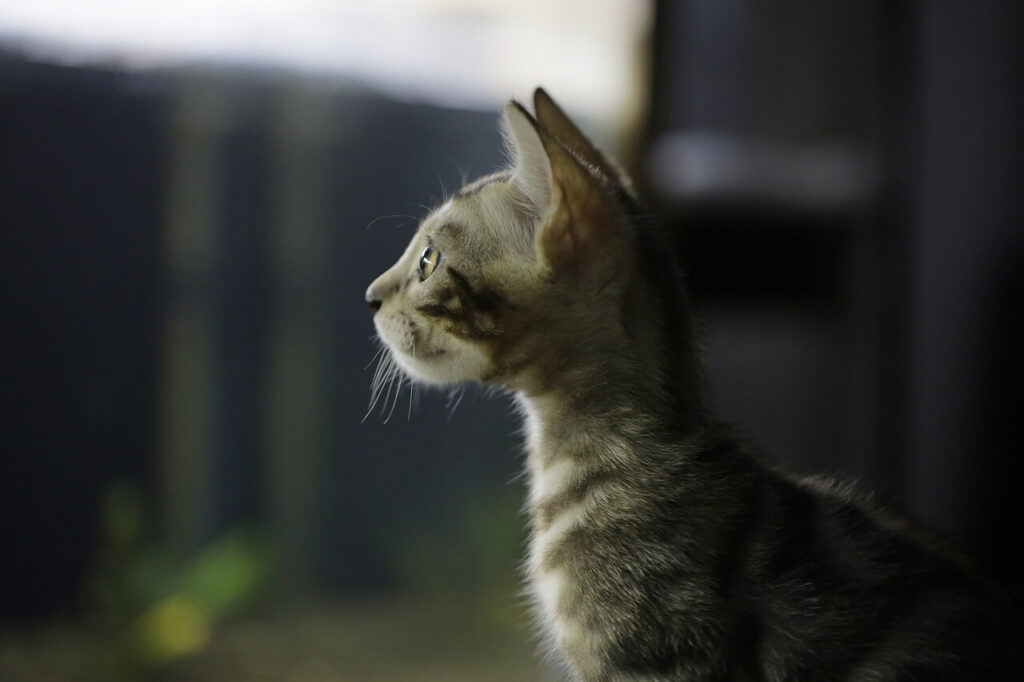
(429,260)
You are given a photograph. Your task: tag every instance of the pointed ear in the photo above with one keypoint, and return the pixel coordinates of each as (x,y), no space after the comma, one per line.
(584,214)
(551,116)
(530,166)
(575,209)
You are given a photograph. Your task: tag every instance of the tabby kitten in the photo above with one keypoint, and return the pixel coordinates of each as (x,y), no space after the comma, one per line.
(660,549)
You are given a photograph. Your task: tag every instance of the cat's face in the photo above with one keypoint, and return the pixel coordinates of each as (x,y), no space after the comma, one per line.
(448,300)
(512,271)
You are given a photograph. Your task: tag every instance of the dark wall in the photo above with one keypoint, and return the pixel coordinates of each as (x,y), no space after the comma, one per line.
(966,324)
(907,297)
(81,178)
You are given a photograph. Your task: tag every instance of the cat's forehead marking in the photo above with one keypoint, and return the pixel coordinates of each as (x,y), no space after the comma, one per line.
(483,218)
(451,229)
(478,184)
(462,217)
(452,217)
(442,222)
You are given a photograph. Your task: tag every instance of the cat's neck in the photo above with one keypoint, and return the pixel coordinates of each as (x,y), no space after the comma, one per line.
(610,389)
(601,422)
(608,397)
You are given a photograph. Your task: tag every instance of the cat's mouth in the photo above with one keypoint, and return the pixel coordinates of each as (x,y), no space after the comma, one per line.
(411,353)
(422,364)
(411,347)
(424,354)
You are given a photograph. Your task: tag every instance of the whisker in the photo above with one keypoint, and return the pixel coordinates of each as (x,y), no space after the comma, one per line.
(374,358)
(389,379)
(455,394)
(385,365)
(444,190)
(412,390)
(412,386)
(396,384)
(388,217)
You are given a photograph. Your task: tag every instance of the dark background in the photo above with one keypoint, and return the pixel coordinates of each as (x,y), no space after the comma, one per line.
(184,256)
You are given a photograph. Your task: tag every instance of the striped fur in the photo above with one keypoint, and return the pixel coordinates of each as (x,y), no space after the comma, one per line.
(661,549)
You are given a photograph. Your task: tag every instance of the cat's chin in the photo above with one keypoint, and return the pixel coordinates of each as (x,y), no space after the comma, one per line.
(439,368)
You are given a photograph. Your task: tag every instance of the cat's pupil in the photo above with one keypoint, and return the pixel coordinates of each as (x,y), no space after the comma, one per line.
(429,260)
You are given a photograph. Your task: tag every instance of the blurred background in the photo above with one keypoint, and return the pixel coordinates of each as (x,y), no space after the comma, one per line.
(194,197)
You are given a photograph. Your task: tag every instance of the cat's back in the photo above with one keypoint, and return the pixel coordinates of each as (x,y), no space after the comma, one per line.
(702,563)
(831,577)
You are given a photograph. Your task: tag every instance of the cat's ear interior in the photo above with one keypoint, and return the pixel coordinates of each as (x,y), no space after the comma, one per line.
(573,204)
(531,168)
(551,116)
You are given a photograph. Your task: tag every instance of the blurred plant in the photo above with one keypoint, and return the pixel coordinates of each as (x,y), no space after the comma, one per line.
(155,608)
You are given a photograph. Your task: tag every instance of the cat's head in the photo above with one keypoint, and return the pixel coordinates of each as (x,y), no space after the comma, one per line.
(524,273)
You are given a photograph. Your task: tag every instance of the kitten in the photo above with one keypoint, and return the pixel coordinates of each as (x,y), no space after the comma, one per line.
(661,549)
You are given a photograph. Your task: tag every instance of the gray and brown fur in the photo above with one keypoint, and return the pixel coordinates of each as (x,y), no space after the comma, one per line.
(661,549)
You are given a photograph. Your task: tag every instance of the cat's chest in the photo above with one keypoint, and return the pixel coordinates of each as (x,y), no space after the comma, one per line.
(560,519)
(569,499)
